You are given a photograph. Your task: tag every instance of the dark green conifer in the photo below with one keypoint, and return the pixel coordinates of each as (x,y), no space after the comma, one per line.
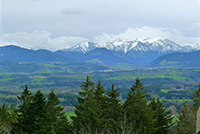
(7,118)
(113,110)
(55,121)
(24,120)
(100,98)
(137,111)
(86,111)
(163,117)
(196,98)
(187,122)
(25,96)
(37,111)
(31,111)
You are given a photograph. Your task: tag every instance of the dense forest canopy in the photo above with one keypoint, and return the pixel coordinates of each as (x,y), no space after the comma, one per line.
(98,111)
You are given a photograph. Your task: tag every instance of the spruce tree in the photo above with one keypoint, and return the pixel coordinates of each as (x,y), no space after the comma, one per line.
(37,111)
(86,110)
(163,117)
(196,98)
(25,97)
(31,112)
(24,120)
(7,118)
(186,123)
(113,110)
(55,121)
(99,93)
(137,112)
(100,98)
(196,105)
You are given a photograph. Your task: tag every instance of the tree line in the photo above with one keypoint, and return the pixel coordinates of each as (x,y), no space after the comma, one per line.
(98,112)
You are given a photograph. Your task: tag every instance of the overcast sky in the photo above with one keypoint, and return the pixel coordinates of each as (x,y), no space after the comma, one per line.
(58,24)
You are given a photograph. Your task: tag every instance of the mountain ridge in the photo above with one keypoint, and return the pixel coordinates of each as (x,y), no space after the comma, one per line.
(162,45)
(178,59)
(15,53)
(112,53)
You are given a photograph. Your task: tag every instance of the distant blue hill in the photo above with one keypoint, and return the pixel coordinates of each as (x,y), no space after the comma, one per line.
(14,53)
(190,59)
(102,56)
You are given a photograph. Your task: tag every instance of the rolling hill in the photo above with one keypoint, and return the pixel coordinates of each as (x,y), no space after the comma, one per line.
(190,59)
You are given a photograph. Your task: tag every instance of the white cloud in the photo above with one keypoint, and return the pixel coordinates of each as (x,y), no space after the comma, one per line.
(40,40)
(43,39)
(68,11)
(195,29)
(151,33)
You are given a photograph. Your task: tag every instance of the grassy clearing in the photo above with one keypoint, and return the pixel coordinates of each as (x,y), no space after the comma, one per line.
(43,72)
(127,77)
(177,100)
(78,77)
(40,84)
(6,79)
(70,72)
(5,73)
(164,90)
(175,119)
(37,79)
(172,75)
(69,115)
(183,100)
(34,84)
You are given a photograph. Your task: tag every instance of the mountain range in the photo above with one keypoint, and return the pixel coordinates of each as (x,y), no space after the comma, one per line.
(132,52)
(108,53)
(161,45)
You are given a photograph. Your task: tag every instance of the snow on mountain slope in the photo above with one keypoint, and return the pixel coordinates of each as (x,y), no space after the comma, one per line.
(165,45)
(161,45)
(84,47)
(196,47)
(119,45)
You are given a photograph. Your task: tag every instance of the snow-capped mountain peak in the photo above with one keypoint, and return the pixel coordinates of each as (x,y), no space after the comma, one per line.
(148,44)
(83,47)
(149,40)
(196,47)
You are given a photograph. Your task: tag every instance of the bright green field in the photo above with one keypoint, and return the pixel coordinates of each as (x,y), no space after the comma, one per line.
(78,77)
(127,77)
(69,115)
(6,79)
(172,75)
(178,100)
(164,90)
(175,119)
(5,73)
